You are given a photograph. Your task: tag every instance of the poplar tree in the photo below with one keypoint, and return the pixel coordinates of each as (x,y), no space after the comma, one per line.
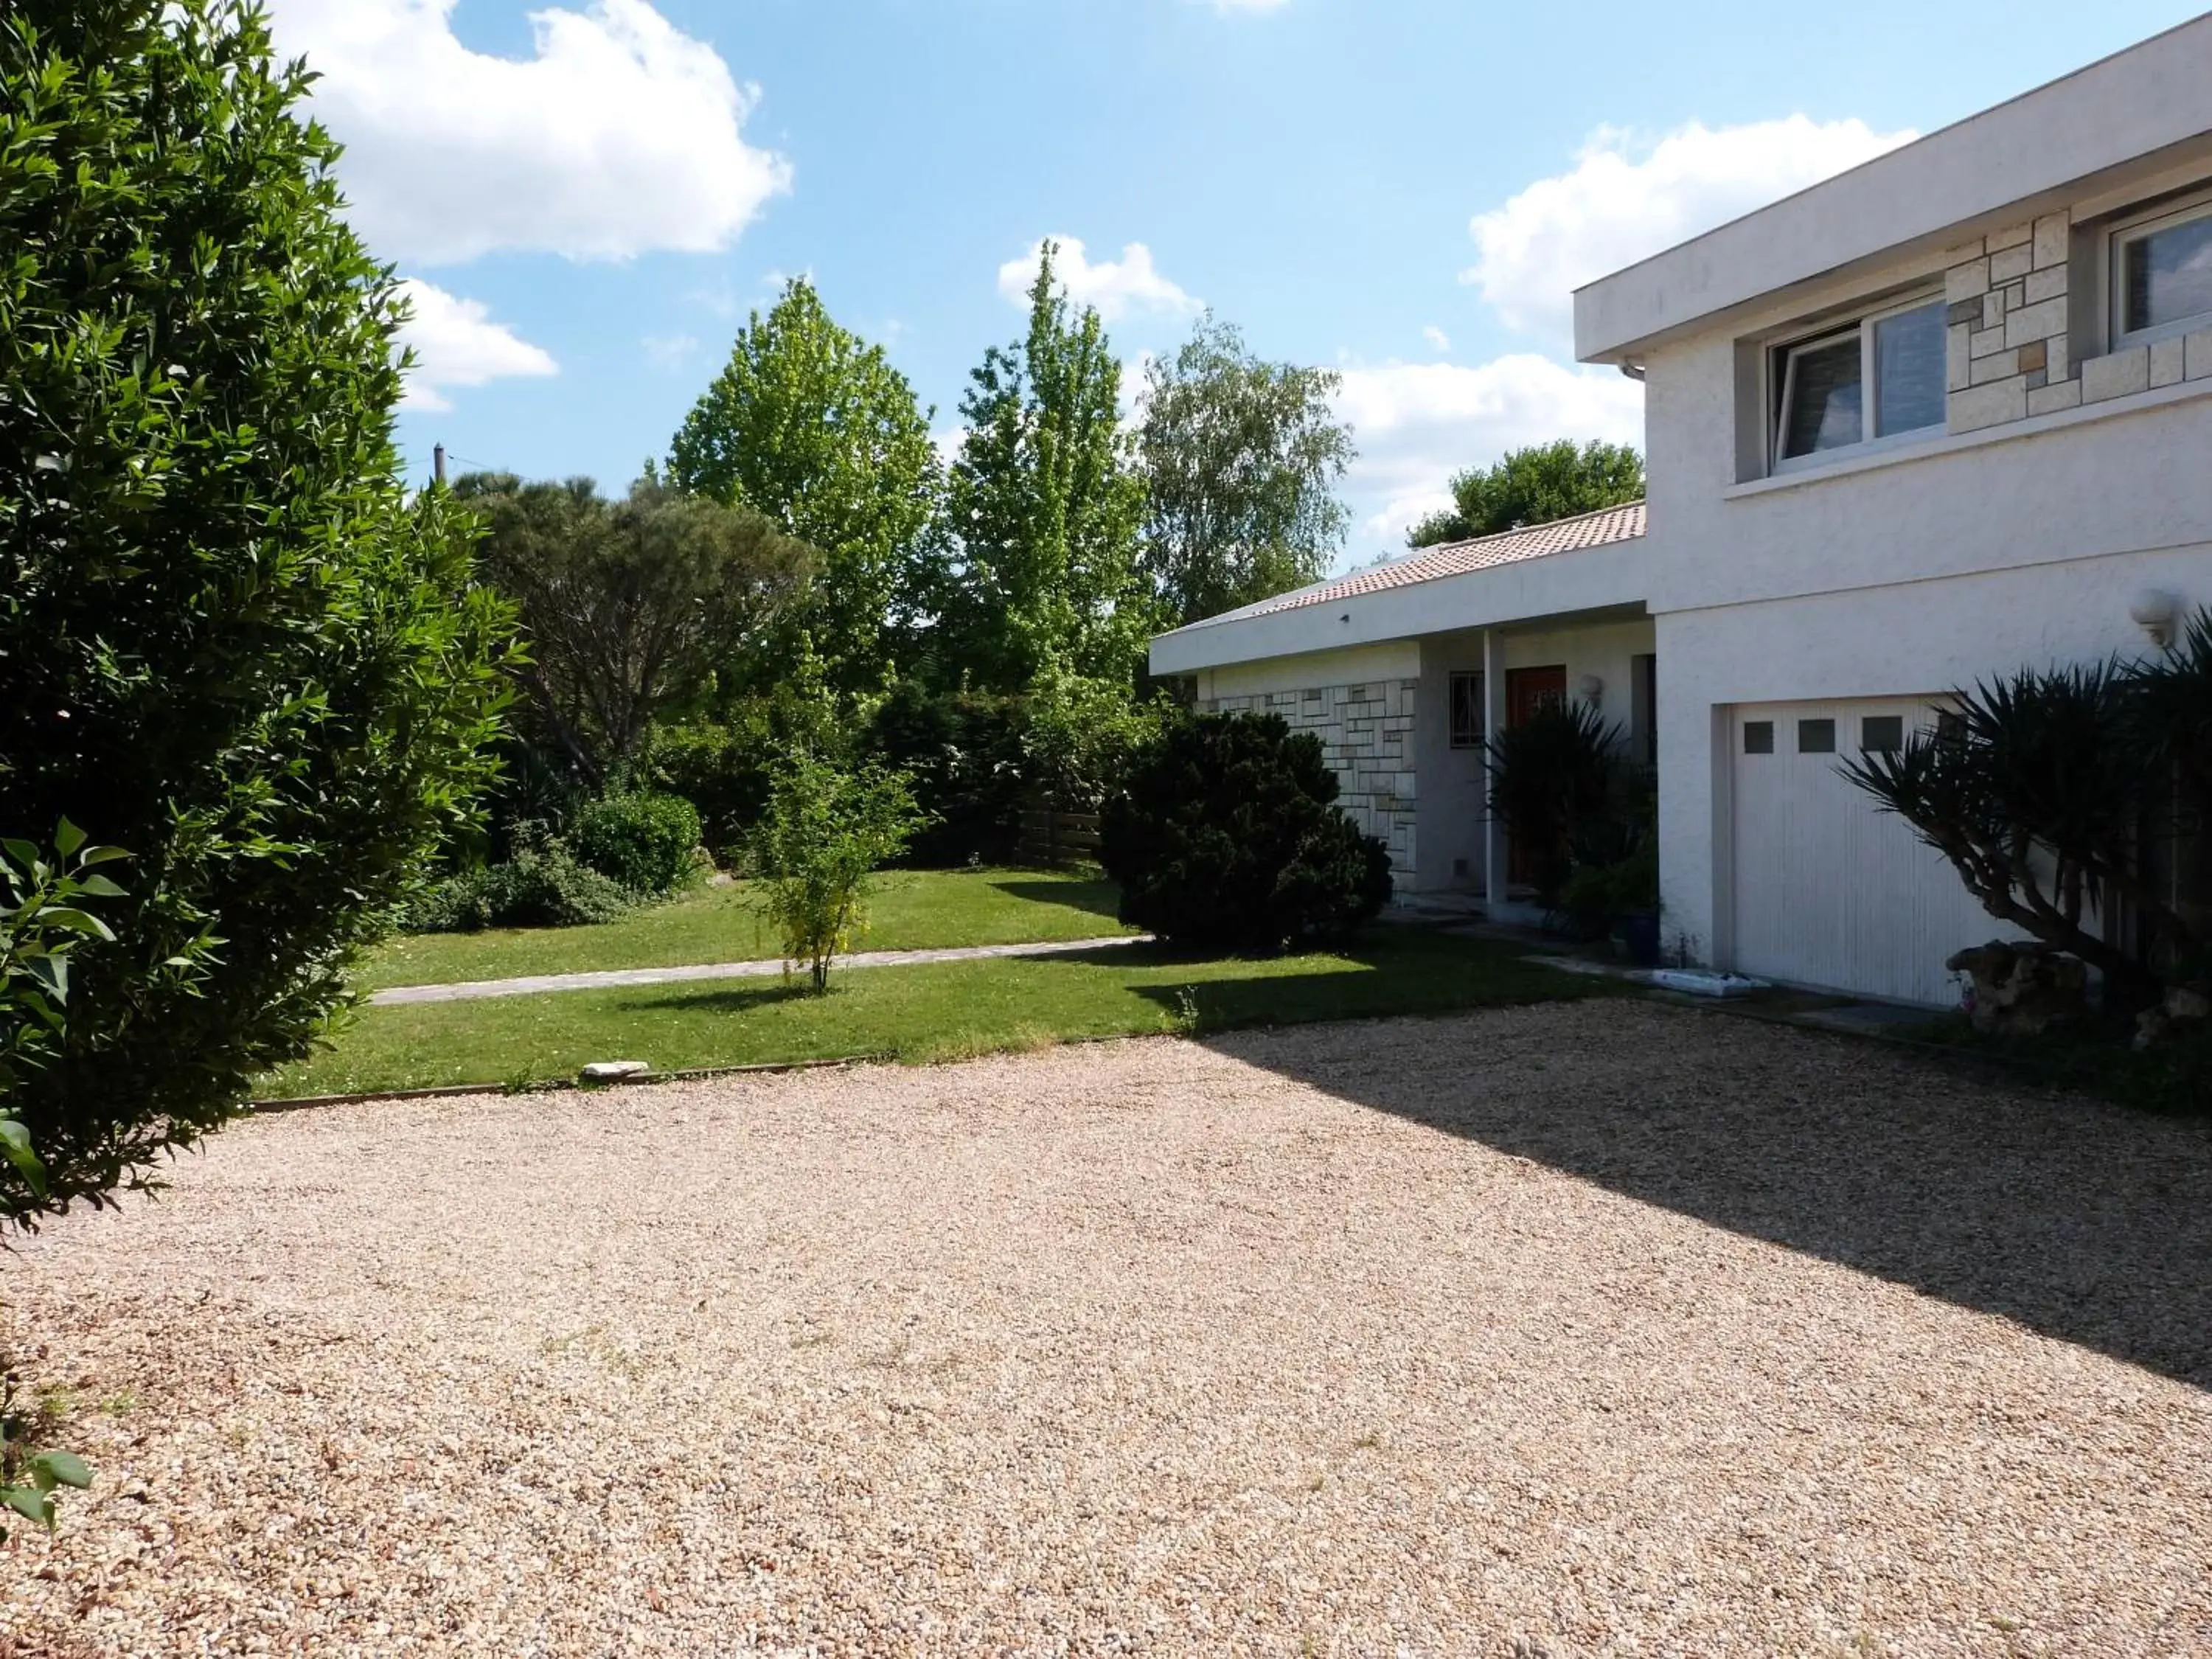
(812,425)
(1046,509)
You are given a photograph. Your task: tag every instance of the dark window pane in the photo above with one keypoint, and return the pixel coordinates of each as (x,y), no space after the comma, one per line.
(1823,390)
(1909,370)
(1951,729)
(2169,274)
(1467,711)
(1884,734)
(1816,736)
(1758,736)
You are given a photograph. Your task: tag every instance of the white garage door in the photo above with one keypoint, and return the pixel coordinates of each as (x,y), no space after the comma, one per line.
(1831,891)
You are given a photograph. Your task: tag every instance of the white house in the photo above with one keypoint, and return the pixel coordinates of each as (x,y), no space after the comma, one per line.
(1937,418)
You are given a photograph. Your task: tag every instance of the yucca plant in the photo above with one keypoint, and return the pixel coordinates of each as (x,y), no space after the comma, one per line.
(2172,728)
(1552,774)
(2039,789)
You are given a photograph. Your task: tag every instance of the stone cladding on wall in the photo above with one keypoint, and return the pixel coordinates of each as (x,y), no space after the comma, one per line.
(1366,731)
(2012,324)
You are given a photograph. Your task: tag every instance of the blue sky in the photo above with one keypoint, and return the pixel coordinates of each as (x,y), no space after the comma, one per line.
(592,195)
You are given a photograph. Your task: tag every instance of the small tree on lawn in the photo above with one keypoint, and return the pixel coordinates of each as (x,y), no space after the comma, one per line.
(826,832)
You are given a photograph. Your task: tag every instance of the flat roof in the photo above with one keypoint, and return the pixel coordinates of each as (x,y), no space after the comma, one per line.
(1974,175)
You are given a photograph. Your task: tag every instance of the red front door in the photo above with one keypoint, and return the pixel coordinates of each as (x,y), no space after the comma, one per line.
(1527,691)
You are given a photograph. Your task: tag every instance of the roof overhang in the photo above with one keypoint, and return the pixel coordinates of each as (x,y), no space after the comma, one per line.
(2140,110)
(1611,578)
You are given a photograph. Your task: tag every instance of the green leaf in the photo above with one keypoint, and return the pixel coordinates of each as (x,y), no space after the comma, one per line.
(21,853)
(65,1468)
(100,855)
(53,972)
(99,887)
(75,920)
(15,1146)
(30,1502)
(66,837)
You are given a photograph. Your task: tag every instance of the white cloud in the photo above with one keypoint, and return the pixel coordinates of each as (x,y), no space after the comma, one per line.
(1118,288)
(1438,339)
(621,135)
(669,351)
(1416,424)
(456,343)
(1624,201)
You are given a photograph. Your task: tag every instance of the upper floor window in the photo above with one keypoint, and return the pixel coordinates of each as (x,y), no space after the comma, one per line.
(2162,275)
(1881,376)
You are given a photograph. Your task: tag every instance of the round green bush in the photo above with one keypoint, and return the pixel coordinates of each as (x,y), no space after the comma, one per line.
(1229,837)
(541,886)
(640,841)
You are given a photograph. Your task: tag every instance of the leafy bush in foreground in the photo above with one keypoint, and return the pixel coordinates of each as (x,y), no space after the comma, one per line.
(230,639)
(1229,837)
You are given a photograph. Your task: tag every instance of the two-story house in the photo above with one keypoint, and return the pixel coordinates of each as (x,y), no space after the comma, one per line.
(1942,416)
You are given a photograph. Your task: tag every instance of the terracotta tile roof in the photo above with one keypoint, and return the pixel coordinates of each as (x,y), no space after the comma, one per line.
(1608,524)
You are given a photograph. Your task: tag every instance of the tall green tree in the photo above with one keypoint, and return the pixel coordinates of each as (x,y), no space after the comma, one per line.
(812,425)
(231,643)
(1046,510)
(1535,486)
(631,609)
(1240,459)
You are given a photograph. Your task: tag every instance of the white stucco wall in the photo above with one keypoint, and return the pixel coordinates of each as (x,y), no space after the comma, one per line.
(2106,119)
(1454,808)
(1395,659)
(1966,555)
(1910,638)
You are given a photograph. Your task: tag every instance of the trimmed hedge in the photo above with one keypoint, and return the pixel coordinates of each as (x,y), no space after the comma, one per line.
(642,841)
(1229,837)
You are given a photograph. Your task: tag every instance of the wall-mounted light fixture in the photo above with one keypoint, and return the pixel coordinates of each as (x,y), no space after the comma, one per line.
(2154,612)
(1593,690)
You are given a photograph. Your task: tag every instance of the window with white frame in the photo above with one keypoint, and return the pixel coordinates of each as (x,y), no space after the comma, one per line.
(2162,280)
(1881,376)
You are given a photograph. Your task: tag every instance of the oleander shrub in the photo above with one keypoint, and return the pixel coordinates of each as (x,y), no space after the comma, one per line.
(644,841)
(1228,836)
(232,638)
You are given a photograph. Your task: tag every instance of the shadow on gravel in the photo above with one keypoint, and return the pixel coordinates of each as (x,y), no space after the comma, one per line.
(2081,1221)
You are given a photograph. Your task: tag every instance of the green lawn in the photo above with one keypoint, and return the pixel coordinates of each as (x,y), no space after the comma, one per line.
(913,910)
(917,1014)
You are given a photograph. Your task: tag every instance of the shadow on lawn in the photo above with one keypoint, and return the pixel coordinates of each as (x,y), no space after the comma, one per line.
(730,996)
(1097,898)
(2086,1223)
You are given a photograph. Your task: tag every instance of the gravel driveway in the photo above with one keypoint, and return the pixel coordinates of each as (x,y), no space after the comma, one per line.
(1599,1329)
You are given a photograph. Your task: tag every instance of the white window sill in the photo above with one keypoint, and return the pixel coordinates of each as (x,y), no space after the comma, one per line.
(1951,443)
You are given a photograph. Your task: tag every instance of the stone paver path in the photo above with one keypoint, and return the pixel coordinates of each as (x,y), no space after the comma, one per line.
(470,990)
